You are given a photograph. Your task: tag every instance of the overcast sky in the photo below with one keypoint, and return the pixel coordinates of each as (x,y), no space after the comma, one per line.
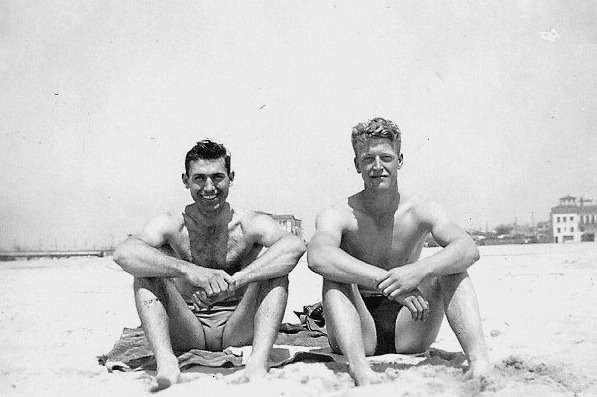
(100,101)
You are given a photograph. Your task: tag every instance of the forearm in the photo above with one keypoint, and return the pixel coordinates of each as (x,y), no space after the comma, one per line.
(456,257)
(141,260)
(277,261)
(335,264)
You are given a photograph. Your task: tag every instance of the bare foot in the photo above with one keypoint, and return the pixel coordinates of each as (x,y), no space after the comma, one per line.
(254,372)
(168,373)
(367,376)
(478,369)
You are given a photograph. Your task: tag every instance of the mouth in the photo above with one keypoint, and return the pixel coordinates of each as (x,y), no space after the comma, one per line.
(209,197)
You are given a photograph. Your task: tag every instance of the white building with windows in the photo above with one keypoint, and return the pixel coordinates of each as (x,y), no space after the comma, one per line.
(288,223)
(574,220)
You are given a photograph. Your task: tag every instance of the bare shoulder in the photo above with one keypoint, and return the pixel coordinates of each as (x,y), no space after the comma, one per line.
(338,216)
(426,211)
(253,221)
(162,227)
(259,228)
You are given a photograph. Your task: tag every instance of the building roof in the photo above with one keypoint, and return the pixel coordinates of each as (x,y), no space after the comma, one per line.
(567,197)
(569,209)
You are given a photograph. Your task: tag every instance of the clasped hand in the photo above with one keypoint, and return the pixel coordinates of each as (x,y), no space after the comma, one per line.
(213,285)
(401,285)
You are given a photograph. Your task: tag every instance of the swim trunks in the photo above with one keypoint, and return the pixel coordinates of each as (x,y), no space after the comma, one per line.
(384,312)
(214,320)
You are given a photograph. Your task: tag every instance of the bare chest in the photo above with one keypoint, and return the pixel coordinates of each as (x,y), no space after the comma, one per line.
(386,244)
(219,248)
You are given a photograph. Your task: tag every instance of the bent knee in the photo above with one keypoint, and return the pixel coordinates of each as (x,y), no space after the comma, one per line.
(412,348)
(452,280)
(281,281)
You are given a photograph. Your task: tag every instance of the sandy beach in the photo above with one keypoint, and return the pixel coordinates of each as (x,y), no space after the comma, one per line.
(537,304)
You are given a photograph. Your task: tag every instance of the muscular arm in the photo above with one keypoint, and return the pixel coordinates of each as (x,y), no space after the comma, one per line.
(283,252)
(458,254)
(139,255)
(325,257)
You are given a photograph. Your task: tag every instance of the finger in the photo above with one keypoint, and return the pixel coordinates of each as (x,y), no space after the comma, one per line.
(384,284)
(413,310)
(215,287)
(223,285)
(425,306)
(231,281)
(419,308)
(395,293)
(208,291)
(197,302)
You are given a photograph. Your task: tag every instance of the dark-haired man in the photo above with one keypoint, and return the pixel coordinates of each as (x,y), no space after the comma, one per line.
(379,295)
(202,280)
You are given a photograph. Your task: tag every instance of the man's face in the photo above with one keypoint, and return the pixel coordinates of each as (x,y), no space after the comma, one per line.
(209,183)
(378,162)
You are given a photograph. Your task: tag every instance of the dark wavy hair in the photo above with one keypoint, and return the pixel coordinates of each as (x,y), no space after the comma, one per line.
(379,128)
(207,150)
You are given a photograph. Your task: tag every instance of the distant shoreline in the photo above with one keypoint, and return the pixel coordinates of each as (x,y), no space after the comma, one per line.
(27,255)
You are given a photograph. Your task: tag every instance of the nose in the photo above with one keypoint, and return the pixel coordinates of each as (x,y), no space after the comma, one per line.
(377,163)
(209,184)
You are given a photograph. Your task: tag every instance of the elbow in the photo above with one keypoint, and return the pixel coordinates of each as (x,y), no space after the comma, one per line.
(472,253)
(295,249)
(122,256)
(315,259)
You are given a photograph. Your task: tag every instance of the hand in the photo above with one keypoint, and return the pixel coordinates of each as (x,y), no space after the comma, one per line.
(401,280)
(202,301)
(211,281)
(414,301)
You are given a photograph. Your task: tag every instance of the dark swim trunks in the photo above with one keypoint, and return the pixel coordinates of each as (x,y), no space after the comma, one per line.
(384,313)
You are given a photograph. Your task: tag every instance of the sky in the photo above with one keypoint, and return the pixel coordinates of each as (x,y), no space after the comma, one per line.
(100,101)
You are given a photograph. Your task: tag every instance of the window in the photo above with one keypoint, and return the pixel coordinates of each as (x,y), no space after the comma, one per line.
(564,219)
(571,218)
(571,230)
(558,230)
(558,219)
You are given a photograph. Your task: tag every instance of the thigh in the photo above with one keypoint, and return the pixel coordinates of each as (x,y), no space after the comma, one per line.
(186,332)
(240,327)
(342,302)
(416,336)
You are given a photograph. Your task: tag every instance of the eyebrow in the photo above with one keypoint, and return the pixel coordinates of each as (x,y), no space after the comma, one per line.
(210,175)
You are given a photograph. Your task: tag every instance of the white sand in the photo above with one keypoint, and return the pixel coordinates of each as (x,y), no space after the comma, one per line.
(538,303)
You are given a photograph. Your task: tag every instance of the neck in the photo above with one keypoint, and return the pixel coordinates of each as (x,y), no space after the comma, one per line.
(381,202)
(220,215)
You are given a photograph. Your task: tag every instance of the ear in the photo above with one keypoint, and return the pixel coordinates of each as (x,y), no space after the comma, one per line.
(400,160)
(231,177)
(185,180)
(356,165)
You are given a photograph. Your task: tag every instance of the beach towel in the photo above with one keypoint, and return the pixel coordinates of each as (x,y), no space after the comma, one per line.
(132,353)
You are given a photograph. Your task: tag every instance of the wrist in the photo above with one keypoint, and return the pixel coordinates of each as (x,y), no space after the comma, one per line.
(183,269)
(424,268)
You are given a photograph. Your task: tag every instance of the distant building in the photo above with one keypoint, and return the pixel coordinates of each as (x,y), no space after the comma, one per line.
(544,232)
(288,223)
(574,220)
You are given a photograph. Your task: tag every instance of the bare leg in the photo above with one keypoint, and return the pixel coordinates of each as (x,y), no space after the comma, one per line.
(351,329)
(257,319)
(462,312)
(162,309)
(454,295)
